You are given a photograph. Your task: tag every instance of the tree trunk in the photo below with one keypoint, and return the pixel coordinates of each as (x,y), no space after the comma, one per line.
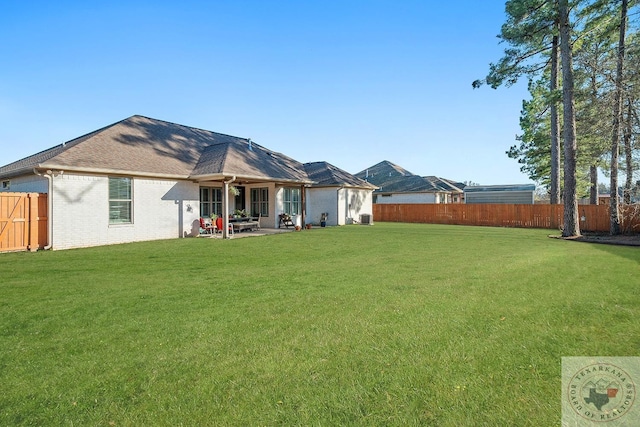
(571,225)
(593,189)
(555,127)
(628,153)
(614,225)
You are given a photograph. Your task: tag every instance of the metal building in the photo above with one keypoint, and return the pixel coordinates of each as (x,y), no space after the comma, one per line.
(507,194)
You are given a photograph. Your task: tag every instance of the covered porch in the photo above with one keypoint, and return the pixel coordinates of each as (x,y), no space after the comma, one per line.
(235,199)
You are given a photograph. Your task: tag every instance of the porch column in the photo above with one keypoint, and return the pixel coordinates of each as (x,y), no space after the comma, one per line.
(225,209)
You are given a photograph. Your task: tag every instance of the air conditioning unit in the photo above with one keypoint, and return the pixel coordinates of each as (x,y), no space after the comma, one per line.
(366,219)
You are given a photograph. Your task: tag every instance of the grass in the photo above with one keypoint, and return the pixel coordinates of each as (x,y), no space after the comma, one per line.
(395,324)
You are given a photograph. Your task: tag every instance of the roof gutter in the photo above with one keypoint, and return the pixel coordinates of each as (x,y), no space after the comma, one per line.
(107,171)
(338,204)
(256,178)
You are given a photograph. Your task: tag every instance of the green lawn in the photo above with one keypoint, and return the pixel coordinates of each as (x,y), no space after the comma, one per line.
(393,324)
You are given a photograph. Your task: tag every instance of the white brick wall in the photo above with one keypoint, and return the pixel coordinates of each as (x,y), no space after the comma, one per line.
(343,205)
(321,200)
(161,210)
(356,202)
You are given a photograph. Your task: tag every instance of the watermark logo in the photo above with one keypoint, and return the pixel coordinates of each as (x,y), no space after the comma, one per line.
(600,391)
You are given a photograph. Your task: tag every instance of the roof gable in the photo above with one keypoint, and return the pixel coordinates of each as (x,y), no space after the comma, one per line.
(242,157)
(383,172)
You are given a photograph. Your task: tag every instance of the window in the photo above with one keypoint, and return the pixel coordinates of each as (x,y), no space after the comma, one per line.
(120,201)
(6,185)
(260,201)
(291,201)
(210,201)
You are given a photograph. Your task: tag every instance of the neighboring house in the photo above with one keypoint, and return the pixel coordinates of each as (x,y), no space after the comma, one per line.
(631,195)
(397,185)
(145,179)
(515,193)
(340,195)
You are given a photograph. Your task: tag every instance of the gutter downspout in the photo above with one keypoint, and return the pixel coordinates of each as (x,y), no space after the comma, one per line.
(225,207)
(303,202)
(49,207)
(338,205)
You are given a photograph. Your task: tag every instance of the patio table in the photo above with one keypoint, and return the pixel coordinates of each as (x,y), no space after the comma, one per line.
(244,223)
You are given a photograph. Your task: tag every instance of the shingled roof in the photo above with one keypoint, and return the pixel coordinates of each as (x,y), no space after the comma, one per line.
(327,175)
(143,146)
(383,172)
(391,178)
(444,184)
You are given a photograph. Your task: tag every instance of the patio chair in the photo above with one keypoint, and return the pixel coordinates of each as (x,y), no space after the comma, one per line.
(286,220)
(207,227)
(220,225)
(255,222)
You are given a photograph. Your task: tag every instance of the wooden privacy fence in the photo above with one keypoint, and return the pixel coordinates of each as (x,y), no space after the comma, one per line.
(23,221)
(592,217)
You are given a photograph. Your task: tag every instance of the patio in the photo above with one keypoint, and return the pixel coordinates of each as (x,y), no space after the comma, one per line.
(254,233)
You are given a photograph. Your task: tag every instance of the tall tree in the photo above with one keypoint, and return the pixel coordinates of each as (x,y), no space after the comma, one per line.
(592,90)
(631,122)
(627,134)
(554,180)
(532,151)
(571,226)
(614,225)
(588,90)
(531,31)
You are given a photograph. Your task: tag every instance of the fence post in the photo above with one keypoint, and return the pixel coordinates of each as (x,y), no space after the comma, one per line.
(32,206)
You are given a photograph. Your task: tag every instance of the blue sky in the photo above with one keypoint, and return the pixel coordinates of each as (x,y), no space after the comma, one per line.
(348,82)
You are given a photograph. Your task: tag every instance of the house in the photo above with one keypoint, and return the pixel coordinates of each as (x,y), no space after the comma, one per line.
(339,195)
(145,179)
(514,193)
(397,185)
(625,196)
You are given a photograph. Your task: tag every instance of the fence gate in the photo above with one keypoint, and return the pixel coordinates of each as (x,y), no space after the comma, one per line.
(23,221)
